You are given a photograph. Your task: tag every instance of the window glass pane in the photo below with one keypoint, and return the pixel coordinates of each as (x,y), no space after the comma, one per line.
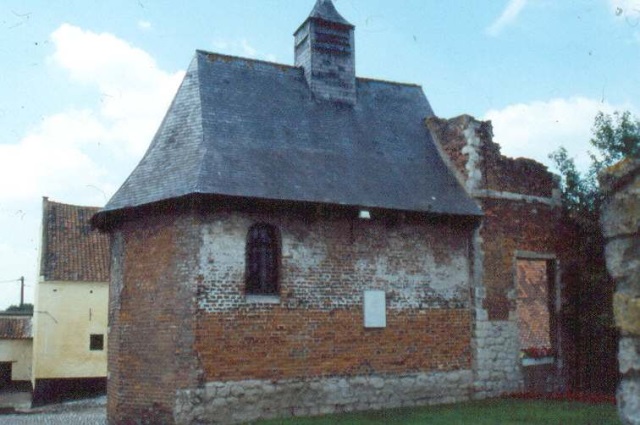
(96,342)
(263,250)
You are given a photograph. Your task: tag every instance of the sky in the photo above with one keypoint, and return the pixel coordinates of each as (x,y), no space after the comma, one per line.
(85,83)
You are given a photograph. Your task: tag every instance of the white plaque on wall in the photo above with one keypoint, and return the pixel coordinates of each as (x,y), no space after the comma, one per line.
(375,309)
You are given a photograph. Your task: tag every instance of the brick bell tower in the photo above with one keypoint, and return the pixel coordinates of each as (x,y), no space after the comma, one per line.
(325,48)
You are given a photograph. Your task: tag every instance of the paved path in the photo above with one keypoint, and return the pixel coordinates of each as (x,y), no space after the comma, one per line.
(87,417)
(89,412)
(14,400)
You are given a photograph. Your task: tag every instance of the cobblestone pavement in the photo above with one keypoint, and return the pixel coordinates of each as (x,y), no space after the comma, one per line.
(90,412)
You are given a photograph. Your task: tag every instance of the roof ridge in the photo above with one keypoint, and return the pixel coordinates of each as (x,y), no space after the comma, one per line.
(380,80)
(242,58)
(201,166)
(64,204)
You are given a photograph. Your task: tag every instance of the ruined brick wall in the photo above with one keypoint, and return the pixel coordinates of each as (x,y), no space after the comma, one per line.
(514,175)
(452,138)
(151,318)
(533,304)
(520,200)
(511,226)
(190,346)
(621,226)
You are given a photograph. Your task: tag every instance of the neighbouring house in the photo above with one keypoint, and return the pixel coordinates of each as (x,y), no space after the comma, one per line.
(16,342)
(298,241)
(70,311)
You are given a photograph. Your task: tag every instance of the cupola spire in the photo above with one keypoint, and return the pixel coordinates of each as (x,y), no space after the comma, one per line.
(325,48)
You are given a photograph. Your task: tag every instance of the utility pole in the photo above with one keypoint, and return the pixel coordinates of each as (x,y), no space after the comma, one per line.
(21,291)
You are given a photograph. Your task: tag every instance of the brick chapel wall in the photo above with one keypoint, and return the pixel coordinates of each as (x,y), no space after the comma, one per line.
(317,327)
(151,318)
(188,346)
(621,227)
(520,200)
(308,352)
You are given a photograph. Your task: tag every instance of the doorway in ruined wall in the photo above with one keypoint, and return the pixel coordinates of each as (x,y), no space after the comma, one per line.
(537,324)
(5,374)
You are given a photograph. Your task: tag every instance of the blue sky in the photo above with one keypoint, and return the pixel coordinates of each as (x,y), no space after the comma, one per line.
(85,83)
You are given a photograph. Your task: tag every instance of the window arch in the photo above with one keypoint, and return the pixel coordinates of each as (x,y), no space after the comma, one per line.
(262,260)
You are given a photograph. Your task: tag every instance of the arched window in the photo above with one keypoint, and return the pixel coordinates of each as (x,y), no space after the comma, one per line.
(262,260)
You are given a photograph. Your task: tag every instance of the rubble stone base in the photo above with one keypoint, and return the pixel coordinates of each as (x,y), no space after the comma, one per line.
(242,401)
(498,365)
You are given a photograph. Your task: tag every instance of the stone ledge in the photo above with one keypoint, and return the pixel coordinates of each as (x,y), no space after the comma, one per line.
(619,174)
(494,194)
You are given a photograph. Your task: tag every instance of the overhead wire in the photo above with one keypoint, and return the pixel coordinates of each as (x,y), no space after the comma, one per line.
(10,281)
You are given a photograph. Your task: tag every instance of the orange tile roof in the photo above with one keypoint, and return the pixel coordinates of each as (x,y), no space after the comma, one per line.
(15,327)
(71,250)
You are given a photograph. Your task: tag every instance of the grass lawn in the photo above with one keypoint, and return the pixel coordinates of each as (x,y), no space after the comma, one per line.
(492,412)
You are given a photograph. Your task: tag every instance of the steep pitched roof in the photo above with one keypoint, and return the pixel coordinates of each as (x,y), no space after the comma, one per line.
(326,11)
(15,327)
(71,250)
(246,128)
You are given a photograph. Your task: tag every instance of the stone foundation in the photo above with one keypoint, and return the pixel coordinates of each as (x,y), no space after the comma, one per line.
(498,364)
(621,227)
(243,401)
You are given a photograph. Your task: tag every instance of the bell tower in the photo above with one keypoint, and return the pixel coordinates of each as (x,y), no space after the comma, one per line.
(325,48)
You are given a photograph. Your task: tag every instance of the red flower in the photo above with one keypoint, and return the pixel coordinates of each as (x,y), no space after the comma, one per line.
(537,352)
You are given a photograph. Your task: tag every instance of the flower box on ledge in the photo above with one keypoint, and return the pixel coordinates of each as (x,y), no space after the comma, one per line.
(528,361)
(537,356)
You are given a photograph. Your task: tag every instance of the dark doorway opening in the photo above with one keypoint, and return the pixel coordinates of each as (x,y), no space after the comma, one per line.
(5,374)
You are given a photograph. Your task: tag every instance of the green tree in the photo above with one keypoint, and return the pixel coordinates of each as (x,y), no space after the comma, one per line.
(615,137)
(589,289)
(25,308)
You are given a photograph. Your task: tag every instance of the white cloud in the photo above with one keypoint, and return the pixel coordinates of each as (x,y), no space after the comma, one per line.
(144,25)
(51,158)
(25,260)
(534,130)
(79,155)
(220,45)
(248,50)
(135,92)
(241,48)
(508,17)
(76,148)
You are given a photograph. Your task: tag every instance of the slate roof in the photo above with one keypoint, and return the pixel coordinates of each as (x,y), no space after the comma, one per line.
(71,249)
(326,11)
(247,128)
(15,328)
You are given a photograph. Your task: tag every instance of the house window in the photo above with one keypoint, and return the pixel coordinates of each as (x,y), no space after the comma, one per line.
(262,260)
(96,342)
